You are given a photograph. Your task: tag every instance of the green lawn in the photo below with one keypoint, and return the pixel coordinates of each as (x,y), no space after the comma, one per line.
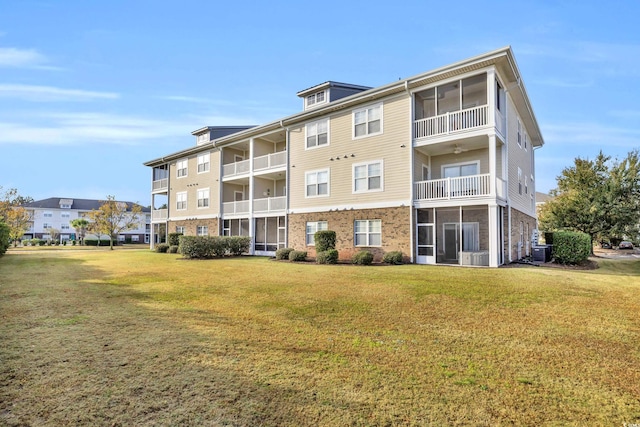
(99,337)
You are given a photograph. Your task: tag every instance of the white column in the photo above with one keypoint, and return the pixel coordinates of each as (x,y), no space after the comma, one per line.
(252,231)
(491,96)
(493,236)
(492,165)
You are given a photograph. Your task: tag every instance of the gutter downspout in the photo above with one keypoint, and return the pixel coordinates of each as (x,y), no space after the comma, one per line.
(411,171)
(287,177)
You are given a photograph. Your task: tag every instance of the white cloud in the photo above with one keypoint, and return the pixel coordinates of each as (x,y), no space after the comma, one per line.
(592,135)
(24,58)
(90,128)
(50,93)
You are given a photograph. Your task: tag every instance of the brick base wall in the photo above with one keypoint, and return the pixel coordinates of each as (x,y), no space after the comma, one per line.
(516,218)
(191,224)
(396,236)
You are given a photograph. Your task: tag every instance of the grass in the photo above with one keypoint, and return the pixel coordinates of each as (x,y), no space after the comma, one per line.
(130,336)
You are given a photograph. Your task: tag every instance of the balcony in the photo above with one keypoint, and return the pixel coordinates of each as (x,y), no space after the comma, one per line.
(270,204)
(235,169)
(270,161)
(452,122)
(235,208)
(463,187)
(159,214)
(160,185)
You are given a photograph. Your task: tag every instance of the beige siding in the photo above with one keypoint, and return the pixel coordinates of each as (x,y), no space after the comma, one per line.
(518,157)
(419,159)
(482,156)
(347,151)
(193,182)
(229,190)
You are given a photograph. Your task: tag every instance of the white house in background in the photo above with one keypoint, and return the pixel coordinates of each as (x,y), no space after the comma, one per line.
(439,166)
(57,213)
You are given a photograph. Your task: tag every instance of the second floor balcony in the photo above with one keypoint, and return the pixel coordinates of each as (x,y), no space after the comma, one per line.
(260,206)
(160,185)
(462,187)
(159,214)
(264,163)
(451,122)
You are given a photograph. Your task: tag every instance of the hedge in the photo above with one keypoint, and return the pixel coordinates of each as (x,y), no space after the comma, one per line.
(162,248)
(329,256)
(324,240)
(362,258)
(283,253)
(297,256)
(213,246)
(393,257)
(173,239)
(570,247)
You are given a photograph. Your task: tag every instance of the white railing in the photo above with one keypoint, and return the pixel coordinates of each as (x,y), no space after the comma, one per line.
(454,121)
(239,207)
(453,188)
(160,184)
(237,168)
(270,204)
(159,214)
(270,161)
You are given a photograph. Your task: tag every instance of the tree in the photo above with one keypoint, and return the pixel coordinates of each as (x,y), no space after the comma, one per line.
(54,234)
(113,217)
(4,237)
(596,197)
(18,220)
(81,225)
(11,199)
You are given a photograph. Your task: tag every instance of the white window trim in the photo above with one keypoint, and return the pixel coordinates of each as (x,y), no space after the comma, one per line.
(422,172)
(181,201)
(519,181)
(368,234)
(353,177)
(306,134)
(306,235)
(470,162)
(208,162)
(328,171)
(200,227)
(186,168)
(315,102)
(208,198)
(519,133)
(353,121)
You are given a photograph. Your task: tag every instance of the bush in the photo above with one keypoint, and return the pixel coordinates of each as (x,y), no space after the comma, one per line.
(173,239)
(571,247)
(393,257)
(283,253)
(195,247)
(238,245)
(162,248)
(173,249)
(297,256)
(324,240)
(329,256)
(73,243)
(362,258)
(26,242)
(4,237)
(94,242)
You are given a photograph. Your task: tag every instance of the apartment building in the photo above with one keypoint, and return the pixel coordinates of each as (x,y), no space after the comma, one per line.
(58,213)
(439,166)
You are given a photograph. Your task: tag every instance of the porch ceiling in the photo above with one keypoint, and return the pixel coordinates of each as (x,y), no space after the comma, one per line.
(448,147)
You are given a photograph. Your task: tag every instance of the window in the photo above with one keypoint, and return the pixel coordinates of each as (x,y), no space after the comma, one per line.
(180,229)
(202,230)
(135,238)
(46,226)
(526,185)
(48,214)
(181,201)
(525,139)
(425,172)
(317,183)
(312,227)
(203,162)
(499,97)
(64,227)
(201,139)
(367,121)
(461,169)
(120,238)
(316,98)
(368,232)
(367,177)
(181,167)
(203,198)
(519,181)
(318,133)
(65,214)
(65,206)
(519,132)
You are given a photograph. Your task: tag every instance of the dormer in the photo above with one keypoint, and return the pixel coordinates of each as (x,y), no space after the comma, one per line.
(323,93)
(66,203)
(209,133)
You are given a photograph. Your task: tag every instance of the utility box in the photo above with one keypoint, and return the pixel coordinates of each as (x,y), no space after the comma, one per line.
(542,253)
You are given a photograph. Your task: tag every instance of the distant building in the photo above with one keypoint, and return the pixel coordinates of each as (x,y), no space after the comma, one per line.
(439,166)
(57,213)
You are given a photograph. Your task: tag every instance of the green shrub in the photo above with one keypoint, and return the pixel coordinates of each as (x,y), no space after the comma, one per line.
(283,253)
(393,257)
(238,245)
(173,249)
(162,248)
(94,242)
(324,240)
(26,242)
(330,256)
(64,243)
(362,258)
(127,239)
(297,256)
(173,239)
(4,237)
(195,247)
(42,242)
(571,247)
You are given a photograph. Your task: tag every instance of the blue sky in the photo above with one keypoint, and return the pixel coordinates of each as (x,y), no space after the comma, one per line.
(89,90)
